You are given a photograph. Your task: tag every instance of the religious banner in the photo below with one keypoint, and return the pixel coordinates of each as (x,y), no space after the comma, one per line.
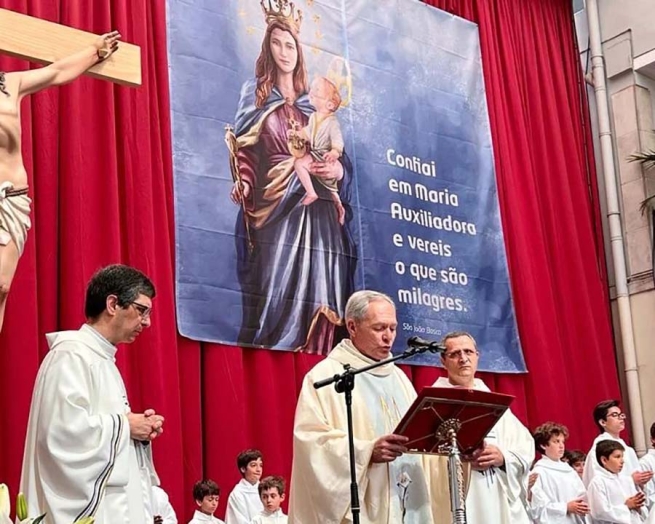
(322,147)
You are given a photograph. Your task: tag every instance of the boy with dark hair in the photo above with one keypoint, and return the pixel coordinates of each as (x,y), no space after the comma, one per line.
(271,492)
(610,421)
(614,498)
(206,493)
(647,463)
(558,493)
(576,459)
(244,503)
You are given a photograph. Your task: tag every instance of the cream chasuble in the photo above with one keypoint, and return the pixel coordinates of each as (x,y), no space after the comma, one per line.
(499,496)
(393,493)
(79,459)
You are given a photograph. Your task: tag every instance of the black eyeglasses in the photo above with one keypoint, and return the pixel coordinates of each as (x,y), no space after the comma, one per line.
(143,310)
(617,415)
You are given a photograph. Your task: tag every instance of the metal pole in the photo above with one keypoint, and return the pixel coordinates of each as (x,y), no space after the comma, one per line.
(456,480)
(615,227)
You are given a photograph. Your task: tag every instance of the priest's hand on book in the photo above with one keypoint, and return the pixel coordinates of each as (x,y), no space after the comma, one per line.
(389,448)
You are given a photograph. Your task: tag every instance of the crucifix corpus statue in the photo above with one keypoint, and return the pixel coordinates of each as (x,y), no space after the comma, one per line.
(69,53)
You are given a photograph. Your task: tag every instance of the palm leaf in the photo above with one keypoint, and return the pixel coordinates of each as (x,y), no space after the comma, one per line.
(647,160)
(38,519)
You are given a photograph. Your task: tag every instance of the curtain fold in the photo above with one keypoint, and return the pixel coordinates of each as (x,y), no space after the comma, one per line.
(99,158)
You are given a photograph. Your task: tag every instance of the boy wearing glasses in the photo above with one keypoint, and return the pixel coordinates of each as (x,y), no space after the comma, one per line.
(613,497)
(610,421)
(206,493)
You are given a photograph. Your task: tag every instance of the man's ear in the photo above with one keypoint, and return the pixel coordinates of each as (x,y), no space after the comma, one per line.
(111,304)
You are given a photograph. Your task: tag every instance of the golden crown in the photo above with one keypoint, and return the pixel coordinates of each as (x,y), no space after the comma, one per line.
(282,11)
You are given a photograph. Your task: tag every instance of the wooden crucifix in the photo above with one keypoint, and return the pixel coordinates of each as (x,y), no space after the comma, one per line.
(69,53)
(44,42)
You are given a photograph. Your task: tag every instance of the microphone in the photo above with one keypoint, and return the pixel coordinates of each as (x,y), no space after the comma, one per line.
(426,345)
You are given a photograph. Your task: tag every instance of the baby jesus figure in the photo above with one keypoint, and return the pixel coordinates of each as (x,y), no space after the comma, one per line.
(323,135)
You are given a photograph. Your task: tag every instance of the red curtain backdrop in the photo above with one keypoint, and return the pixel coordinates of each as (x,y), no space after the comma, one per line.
(99,157)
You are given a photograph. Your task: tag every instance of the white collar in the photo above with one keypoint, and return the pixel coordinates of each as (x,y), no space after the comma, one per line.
(244,485)
(444,382)
(558,465)
(199,516)
(345,352)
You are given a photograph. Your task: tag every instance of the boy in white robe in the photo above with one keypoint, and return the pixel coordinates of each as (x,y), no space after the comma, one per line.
(499,477)
(610,421)
(576,459)
(614,498)
(86,453)
(206,493)
(271,491)
(558,495)
(647,463)
(244,502)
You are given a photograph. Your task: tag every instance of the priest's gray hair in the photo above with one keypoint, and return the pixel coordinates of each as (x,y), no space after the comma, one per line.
(357,305)
(457,334)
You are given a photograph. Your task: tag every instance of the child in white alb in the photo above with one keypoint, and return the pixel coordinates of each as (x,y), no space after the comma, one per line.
(558,494)
(244,503)
(271,491)
(206,494)
(614,498)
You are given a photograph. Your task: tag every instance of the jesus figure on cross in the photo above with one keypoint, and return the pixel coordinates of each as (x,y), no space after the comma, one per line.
(14,202)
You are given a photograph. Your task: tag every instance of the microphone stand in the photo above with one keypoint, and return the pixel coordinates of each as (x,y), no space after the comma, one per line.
(345,383)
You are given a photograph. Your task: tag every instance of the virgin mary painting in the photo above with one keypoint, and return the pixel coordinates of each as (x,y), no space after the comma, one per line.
(296,262)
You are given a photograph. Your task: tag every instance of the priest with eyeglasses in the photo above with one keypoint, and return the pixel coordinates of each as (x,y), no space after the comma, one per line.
(86,453)
(499,469)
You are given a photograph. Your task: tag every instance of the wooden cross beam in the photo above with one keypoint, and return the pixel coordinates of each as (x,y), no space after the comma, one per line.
(41,41)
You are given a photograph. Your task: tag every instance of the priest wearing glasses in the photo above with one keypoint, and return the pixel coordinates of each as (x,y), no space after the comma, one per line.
(497,490)
(86,453)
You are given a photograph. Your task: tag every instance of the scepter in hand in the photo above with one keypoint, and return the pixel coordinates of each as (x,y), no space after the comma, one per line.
(233,149)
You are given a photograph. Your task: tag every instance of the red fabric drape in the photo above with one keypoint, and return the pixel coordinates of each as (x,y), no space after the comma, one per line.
(99,156)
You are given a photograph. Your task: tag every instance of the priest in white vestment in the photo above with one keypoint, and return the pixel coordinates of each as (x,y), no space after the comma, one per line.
(499,472)
(393,487)
(86,453)
(610,420)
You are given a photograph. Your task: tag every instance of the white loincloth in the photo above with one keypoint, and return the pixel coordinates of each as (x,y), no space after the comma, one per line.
(14,217)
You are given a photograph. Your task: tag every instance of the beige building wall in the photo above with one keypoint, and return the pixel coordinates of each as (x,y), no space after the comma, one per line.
(628,35)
